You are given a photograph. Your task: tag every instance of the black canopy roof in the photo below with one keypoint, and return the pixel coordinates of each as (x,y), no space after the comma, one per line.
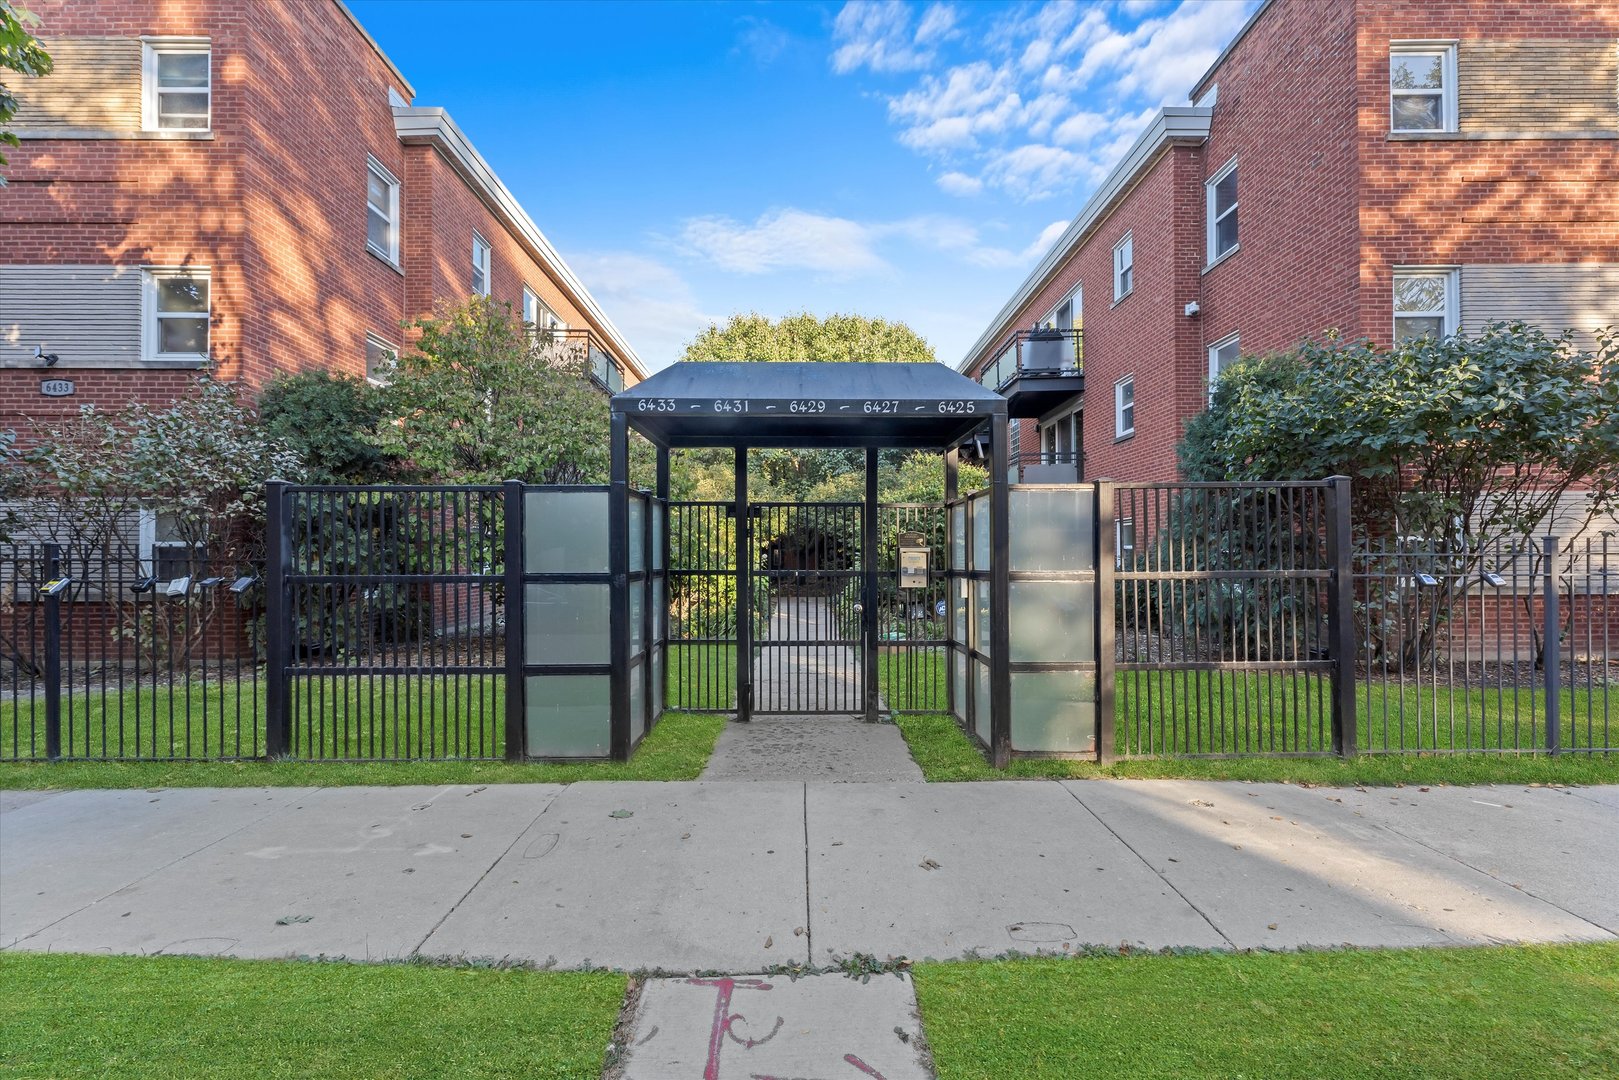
(800,403)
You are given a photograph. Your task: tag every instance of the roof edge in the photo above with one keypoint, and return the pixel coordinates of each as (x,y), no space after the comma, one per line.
(1197,87)
(1174,123)
(432,125)
(354,20)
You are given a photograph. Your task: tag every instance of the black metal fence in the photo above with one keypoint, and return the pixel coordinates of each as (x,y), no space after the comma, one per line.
(110,656)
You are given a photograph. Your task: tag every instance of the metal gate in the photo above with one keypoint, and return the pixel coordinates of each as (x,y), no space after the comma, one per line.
(806,604)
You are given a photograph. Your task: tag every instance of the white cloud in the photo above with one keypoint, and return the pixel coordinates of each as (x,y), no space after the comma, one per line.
(650,303)
(877,34)
(761,40)
(1050,96)
(794,239)
(959,183)
(784,239)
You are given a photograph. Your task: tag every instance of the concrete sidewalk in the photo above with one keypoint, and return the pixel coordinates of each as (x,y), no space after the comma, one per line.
(740,877)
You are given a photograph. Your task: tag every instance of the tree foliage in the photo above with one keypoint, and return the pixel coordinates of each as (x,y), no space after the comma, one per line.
(481,399)
(807,337)
(329,421)
(1460,439)
(20,51)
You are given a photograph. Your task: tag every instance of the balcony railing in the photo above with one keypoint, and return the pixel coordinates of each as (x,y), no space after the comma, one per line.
(1048,467)
(1035,353)
(583,343)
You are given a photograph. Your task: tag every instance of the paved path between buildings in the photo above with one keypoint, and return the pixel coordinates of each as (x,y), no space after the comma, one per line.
(739,877)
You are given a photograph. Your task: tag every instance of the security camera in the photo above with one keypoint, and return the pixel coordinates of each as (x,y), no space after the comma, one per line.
(49,359)
(1192,309)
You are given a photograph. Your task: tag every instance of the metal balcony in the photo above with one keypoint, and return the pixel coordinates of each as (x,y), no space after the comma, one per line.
(582,342)
(1037,370)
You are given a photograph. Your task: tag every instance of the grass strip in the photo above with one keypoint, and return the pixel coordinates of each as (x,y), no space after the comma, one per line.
(81,1016)
(1542,1011)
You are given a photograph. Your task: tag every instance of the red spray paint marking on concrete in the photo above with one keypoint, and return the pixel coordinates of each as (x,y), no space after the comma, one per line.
(724,1018)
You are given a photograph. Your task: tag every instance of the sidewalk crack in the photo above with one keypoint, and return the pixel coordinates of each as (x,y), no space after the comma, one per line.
(420,945)
(809,933)
(1187,900)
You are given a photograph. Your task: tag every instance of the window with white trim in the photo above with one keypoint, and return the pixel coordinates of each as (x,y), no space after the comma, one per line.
(170,552)
(1124,407)
(1222,354)
(1222,211)
(177,81)
(381,211)
(1424,303)
(176,310)
(1422,86)
(537,313)
(1059,439)
(480,265)
(1124,544)
(380,358)
(1124,260)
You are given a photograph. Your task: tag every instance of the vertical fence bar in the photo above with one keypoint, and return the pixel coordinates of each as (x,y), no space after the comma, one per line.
(1551,654)
(53,654)
(868,565)
(512,492)
(277,550)
(744,596)
(1341,615)
(1000,670)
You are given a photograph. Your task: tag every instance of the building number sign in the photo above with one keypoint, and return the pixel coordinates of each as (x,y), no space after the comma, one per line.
(57,387)
(803,406)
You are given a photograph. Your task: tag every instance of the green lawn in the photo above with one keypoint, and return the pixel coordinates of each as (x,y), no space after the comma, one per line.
(944,753)
(677,749)
(92,1016)
(1485,1013)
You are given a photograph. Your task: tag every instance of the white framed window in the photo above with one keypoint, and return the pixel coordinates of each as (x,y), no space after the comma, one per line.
(1222,211)
(1422,86)
(380,358)
(177,84)
(480,265)
(1222,354)
(381,210)
(1124,543)
(1425,302)
(175,315)
(537,313)
(167,553)
(1124,273)
(1124,407)
(1059,438)
(1069,311)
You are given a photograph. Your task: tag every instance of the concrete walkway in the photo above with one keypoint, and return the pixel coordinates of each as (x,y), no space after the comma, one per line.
(816,673)
(838,749)
(739,877)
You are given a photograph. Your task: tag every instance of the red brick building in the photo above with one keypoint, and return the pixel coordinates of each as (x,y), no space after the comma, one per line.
(246,187)
(1396,168)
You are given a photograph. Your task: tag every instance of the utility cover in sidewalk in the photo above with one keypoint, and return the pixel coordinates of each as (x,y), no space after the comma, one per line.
(742,1027)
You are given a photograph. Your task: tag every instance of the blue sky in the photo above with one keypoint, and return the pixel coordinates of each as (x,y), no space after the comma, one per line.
(912,161)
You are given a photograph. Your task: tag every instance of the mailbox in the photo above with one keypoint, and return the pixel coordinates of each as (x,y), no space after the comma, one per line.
(913,561)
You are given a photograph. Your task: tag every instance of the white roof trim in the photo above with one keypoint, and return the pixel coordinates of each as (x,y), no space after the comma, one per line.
(1172,124)
(434,126)
(400,75)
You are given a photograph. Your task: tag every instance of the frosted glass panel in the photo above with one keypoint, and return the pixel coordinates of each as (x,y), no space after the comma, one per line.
(637,610)
(660,610)
(958,673)
(637,702)
(1053,622)
(566,624)
(981,700)
(980,516)
(565,532)
(1053,711)
(958,537)
(659,514)
(1052,529)
(981,615)
(637,534)
(658,685)
(567,715)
